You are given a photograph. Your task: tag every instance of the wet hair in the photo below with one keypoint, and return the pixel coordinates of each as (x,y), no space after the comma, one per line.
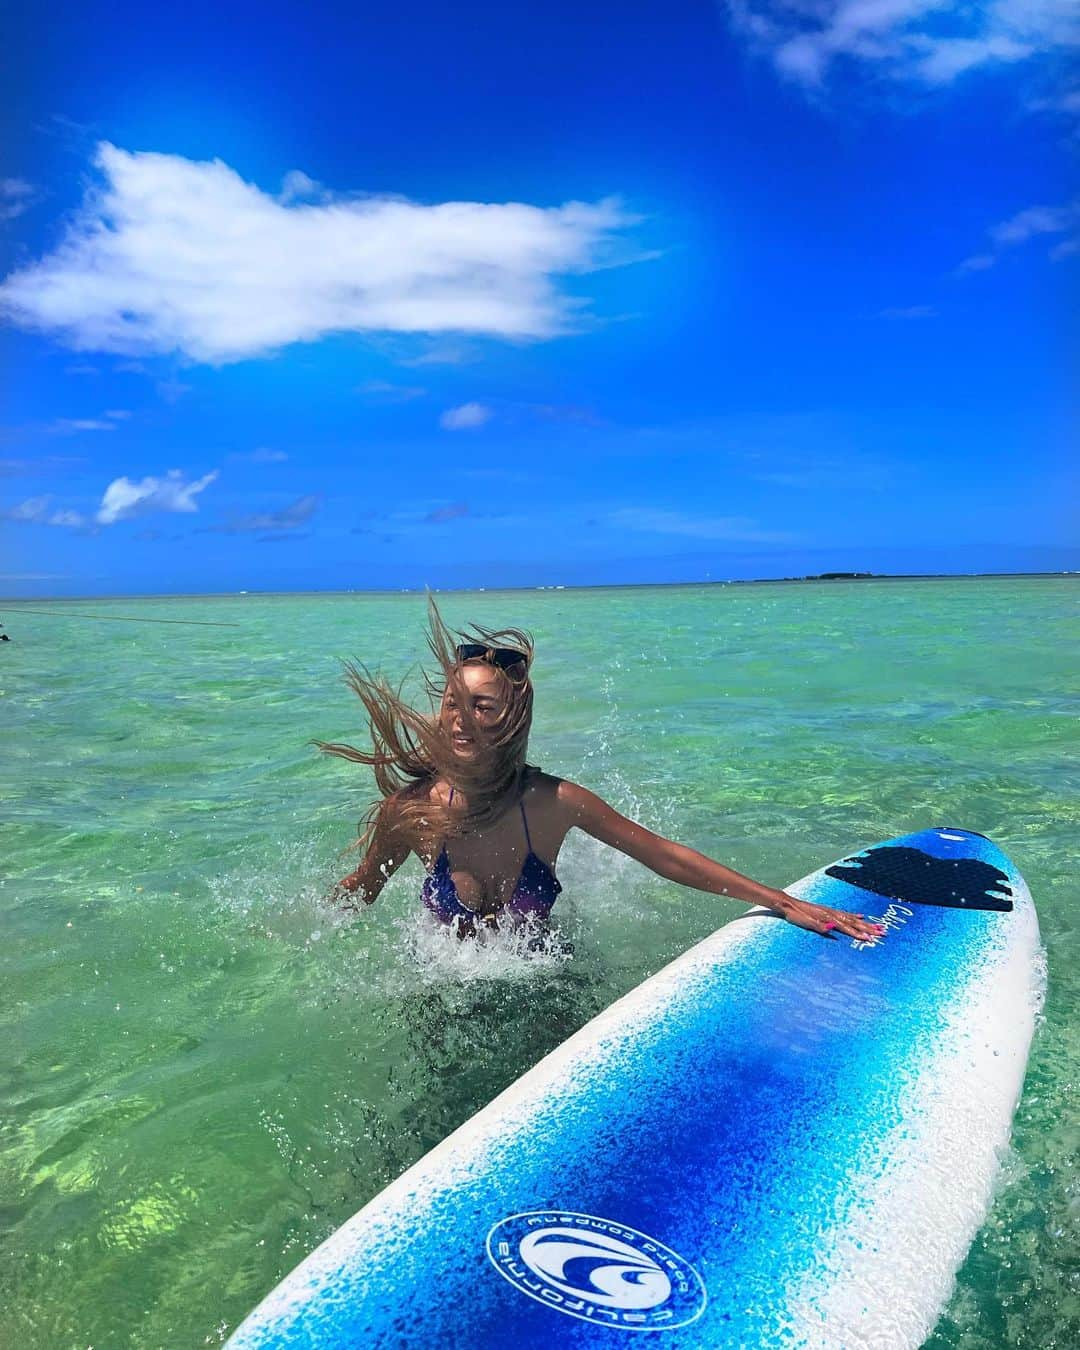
(411,749)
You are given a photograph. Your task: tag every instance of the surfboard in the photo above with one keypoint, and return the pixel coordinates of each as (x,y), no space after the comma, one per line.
(778,1140)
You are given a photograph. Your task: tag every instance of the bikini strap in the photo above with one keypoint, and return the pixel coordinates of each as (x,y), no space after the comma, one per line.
(525,822)
(442,852)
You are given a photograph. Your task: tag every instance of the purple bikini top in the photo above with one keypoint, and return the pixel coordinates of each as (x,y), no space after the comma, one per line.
(534,894)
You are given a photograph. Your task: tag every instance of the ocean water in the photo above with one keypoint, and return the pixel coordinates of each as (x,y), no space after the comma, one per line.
(206,1070)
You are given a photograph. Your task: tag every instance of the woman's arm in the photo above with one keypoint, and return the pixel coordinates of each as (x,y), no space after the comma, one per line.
(677,863)
(386,851)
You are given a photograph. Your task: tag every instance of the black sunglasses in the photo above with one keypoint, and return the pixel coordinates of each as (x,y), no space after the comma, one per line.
(503,657)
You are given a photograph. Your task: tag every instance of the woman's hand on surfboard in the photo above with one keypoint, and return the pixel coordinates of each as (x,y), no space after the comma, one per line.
(829,923)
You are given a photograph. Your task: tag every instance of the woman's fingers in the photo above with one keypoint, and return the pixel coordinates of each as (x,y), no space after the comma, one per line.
(835,922)
(864,929)
(854,925)
(832,923)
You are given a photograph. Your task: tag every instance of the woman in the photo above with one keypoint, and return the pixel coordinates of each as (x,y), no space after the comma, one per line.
(456,790)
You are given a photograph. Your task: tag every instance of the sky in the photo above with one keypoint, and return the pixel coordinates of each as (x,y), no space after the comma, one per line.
(355,296)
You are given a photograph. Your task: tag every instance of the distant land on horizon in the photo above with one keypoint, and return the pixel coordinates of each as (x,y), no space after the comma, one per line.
(472,567)
(27,602)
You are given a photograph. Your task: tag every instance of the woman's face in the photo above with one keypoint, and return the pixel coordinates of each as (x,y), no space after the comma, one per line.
(487,702)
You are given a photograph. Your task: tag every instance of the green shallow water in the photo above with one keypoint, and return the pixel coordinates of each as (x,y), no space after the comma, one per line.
(206,1071)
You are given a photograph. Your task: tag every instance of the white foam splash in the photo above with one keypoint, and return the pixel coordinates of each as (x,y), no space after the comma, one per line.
(433,953)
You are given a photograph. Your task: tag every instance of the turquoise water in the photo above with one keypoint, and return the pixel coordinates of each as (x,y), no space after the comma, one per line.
(207,1070)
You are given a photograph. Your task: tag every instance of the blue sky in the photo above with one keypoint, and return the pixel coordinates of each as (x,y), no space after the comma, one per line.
(333,296)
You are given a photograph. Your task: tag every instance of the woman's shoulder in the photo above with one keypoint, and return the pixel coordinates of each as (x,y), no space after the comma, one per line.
(547,792)
(575,802)
(559,803)
(536,780)
(536,783)
(548,785)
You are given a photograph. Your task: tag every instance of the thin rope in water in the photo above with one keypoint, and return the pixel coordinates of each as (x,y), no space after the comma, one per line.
(121,618)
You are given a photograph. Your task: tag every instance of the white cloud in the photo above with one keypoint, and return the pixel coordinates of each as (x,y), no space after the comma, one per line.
(38,511)
(69,426)
(298,186)
(441,354)
(469,415)
(652,520)
(441,514)
(384,391)
(172,391)
(978,262)
(1064,102)
(174,255)
(928,42)
(33,510)
(65,426)
(263,455)
(909,312)
(42,464)
(1030,223)
(124,498)
(70,519)
(290,517)
(16,196)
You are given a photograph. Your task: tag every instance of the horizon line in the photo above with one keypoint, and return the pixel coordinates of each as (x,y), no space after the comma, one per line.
(825,578)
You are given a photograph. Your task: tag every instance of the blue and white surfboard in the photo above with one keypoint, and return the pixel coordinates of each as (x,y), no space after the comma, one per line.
(777,1141)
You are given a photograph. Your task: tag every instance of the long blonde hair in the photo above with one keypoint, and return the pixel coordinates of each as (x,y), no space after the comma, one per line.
(410,748)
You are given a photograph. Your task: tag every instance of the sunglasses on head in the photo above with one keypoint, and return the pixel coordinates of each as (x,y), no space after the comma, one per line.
(503,657)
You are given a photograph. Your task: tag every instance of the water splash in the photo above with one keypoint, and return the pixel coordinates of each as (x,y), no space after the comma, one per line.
(433,953)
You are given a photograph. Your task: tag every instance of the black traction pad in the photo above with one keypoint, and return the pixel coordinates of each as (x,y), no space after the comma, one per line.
(918,878)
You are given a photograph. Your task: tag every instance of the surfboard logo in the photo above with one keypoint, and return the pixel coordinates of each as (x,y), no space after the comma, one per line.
(597,1270)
